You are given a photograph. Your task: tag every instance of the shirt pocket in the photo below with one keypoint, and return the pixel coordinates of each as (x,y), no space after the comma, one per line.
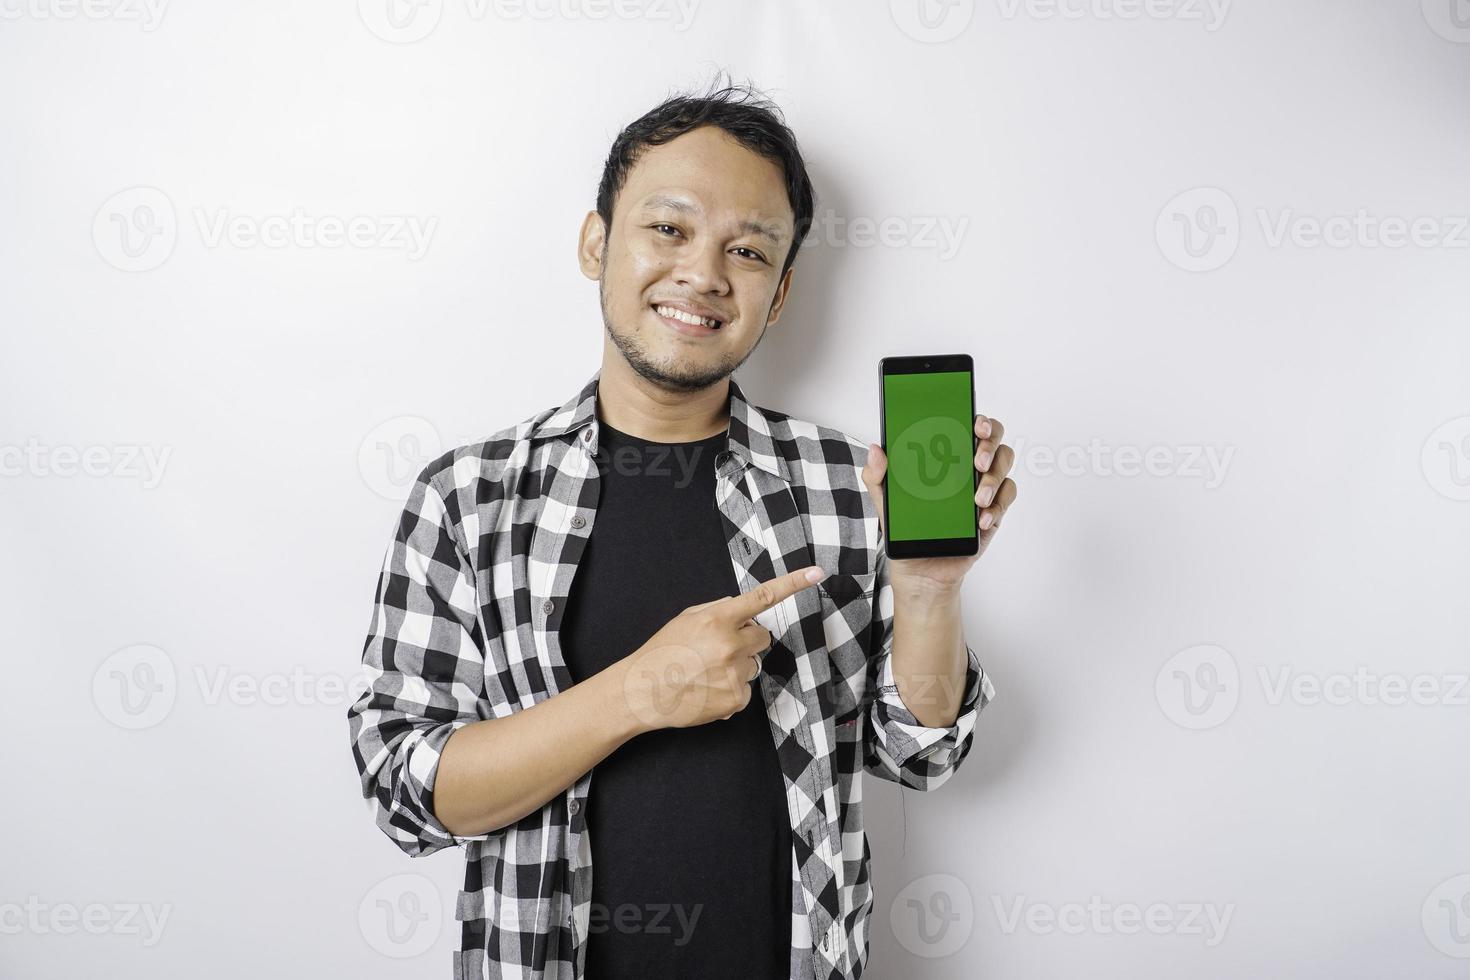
(847,626)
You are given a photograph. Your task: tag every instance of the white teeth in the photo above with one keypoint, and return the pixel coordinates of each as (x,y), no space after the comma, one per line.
(704,321)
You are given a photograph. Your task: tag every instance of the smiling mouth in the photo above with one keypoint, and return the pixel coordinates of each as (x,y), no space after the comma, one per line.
(696,324)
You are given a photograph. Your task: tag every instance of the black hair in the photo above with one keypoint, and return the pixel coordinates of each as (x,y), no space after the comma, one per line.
(740,110)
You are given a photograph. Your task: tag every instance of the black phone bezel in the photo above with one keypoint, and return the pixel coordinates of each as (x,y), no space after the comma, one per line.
(928,364)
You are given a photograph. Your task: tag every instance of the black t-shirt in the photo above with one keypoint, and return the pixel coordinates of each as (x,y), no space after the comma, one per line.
(689,832)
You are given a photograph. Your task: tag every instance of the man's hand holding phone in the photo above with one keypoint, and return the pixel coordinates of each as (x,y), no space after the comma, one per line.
(996,492)
(700,665)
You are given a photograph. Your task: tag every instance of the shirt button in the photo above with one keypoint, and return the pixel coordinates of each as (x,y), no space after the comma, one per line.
(574,806)
(547,606)
(578,520)
(586,435)
(824,943)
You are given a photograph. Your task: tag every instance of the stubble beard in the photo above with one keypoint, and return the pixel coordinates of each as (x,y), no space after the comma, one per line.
(663,375)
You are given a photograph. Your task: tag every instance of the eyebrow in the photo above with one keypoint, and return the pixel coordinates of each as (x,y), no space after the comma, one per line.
(770,232)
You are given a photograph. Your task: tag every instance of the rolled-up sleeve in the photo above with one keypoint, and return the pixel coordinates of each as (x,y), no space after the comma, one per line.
(422,671)
(898,747)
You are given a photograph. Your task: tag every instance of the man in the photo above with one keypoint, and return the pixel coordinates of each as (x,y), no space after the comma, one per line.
(615,594)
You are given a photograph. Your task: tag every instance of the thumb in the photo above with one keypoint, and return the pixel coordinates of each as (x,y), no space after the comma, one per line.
(876,465)
(873,471)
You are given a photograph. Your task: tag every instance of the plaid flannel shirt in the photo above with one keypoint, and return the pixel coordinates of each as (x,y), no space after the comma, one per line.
(465,627)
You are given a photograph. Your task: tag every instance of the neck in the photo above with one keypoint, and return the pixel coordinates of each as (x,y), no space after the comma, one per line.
(632,404)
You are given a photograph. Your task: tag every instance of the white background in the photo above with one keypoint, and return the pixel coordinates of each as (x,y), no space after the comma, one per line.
(1138,623)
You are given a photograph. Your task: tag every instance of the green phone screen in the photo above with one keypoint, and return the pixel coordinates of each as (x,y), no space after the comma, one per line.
(930,433)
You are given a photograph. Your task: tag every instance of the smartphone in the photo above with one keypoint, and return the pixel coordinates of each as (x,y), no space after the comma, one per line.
(926,410)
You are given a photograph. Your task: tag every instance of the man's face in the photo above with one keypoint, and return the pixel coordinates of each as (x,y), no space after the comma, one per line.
(701,226)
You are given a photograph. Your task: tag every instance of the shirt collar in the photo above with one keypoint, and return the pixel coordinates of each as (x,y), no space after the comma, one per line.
(748,435)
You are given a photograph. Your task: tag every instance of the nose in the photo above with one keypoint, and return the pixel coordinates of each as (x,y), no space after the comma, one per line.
(701,267)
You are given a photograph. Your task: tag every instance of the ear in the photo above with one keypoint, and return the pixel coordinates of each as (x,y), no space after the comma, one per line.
(590,244)
(780,299)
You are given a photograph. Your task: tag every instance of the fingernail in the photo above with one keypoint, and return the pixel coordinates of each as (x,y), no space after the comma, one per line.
(816,575)
(985,520)
(984,463)
(985,494)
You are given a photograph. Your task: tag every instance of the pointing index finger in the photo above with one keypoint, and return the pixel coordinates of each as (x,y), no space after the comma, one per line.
(770,593)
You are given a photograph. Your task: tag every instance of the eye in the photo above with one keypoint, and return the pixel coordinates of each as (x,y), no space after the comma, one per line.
(659,228)
(752,253)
